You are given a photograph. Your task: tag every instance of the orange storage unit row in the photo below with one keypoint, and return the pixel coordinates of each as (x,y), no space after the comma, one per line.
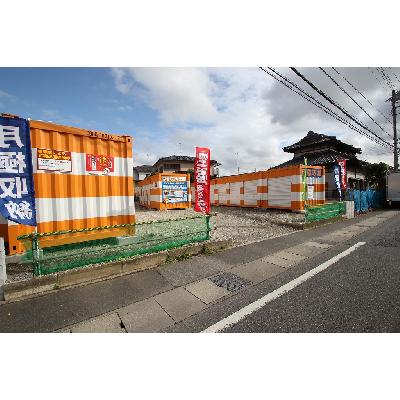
(282,188)
(244,190)
(165,191)
(82,179)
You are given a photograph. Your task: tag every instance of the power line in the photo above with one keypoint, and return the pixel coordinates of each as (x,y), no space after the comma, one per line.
(361,94)
(344,111)
(391,69)
(348,95)
(388,77)
(324,107)
(385,77)
(289,84)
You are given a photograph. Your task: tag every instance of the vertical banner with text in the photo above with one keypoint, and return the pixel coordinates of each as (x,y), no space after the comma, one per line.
(343,174)
(17,197)
(202,180)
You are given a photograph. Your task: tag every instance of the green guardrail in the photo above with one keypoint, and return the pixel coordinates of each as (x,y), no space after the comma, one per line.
(324,211)
(144,238)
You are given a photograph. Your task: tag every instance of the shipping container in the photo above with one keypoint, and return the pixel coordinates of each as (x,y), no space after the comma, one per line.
(165,191)
(281,188)
(82,179)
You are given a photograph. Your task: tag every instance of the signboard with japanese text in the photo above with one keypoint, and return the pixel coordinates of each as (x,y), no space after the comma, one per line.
(336,175)
(99,164)
(310,192)
(174,189)
(343,173)
(202,180)
(312,172)
(54,160)
(17,196)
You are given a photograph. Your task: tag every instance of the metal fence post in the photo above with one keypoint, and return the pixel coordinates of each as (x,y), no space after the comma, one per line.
(208,226)
(3,273)
(36,255)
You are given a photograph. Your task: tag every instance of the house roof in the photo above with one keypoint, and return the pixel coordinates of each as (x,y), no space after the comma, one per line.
(321,158)
(180,158)
(315,139)
(144,168)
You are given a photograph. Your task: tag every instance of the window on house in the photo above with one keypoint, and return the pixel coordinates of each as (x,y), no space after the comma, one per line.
(172,167)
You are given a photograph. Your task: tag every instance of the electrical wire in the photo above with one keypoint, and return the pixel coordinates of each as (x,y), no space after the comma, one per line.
(361,94)
(289,84)
(385,77)
(354,101)
(391,69)
(344,111)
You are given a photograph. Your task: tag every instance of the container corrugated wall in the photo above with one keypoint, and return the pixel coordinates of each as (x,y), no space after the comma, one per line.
(78,199)
(151,192)
(276,188)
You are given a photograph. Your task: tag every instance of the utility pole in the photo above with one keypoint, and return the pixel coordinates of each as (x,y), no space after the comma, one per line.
(395,97)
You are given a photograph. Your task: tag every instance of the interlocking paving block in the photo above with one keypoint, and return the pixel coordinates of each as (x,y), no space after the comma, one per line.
(281,262)
(184,272)
(356,228)
(345,234)
(257,271)
(334,238)
(288,255)
(108,323)
(307,251)
(207,291)
(145,316)
(229,281)
(317,244)
(369,222)
(179,303)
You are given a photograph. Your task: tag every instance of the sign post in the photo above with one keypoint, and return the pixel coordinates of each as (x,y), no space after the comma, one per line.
(202,180)
(3,274)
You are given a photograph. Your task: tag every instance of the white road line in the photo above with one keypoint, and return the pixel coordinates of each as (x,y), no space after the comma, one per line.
(245,311)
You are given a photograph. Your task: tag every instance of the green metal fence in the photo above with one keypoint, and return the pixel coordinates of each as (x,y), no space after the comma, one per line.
(324,211)
(146,237)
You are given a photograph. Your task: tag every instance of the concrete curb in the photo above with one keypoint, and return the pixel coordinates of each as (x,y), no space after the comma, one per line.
(98,272)
(309,225)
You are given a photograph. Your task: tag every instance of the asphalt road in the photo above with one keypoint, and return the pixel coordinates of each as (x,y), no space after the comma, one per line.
(359,293)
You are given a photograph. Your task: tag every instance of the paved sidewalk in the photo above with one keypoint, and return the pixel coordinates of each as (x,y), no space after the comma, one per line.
(194,285)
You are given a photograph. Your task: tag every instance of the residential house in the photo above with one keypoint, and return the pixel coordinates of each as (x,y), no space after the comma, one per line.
(324,150)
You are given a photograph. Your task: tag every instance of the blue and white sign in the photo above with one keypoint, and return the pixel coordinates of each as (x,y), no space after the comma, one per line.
(17,197)
(174,189)
(336,173)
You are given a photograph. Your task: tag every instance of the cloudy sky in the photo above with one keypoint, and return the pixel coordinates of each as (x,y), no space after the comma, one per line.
(242,114)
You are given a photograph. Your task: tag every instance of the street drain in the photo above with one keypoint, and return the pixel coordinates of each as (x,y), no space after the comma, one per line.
(229,281)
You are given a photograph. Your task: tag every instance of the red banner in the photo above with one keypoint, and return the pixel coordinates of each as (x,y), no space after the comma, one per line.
(202,180)
(343,173)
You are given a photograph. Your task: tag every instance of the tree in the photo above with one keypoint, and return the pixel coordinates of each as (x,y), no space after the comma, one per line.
(375,174)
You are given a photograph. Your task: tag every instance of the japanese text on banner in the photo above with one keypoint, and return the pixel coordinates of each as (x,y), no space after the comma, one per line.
(202,180)
(17,200)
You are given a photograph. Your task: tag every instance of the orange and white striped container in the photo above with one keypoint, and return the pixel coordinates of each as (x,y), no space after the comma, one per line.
(157,191)
(281,188)
(77,198)
(245,190)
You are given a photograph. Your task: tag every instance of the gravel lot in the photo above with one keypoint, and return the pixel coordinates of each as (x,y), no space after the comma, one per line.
(243,225)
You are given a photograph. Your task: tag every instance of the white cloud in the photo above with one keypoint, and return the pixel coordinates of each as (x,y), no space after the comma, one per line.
(181,95)
(244,111)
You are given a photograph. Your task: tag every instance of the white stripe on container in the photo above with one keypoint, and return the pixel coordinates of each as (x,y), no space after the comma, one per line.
(63,209)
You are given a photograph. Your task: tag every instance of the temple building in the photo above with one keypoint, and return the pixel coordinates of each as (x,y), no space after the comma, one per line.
(326,150)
